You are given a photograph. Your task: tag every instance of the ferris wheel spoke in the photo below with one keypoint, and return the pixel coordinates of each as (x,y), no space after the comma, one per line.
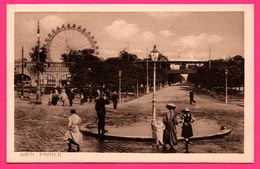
(61,34)
(68,35)
(59,39)
(81,38)
(58,45)
(83,41)
(70,40)
(58,51)
(67,43)
(79,43)
(64,38)
(84,45)
(73,42)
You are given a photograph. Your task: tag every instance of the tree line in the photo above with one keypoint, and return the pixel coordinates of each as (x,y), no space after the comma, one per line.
(88,70)
(213,78)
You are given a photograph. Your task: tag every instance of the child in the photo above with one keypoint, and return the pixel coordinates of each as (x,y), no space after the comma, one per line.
(187,127)
(158,128)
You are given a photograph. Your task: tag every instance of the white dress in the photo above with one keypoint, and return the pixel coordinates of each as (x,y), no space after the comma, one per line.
(158,128)
(64,97)
(73,131)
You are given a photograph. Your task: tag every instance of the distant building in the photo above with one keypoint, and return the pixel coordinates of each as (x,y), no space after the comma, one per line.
(56,74)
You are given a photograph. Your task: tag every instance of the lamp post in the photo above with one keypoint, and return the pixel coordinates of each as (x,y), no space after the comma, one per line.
(226,85)
(22,79)
(147,77)
(154,56)
(38,96)
(119,85)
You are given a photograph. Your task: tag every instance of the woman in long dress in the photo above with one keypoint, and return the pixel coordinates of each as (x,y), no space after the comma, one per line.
(73,134)
(170,122)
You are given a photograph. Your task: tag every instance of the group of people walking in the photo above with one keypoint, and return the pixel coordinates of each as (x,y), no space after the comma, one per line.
(165,130)
(66,97)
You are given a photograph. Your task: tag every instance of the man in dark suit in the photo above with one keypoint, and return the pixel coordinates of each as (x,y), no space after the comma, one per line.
(115,99)
(101,113)
(191,95)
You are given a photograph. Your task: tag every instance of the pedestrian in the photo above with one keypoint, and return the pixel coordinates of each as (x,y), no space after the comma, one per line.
(115,99)
(170,122)
(191,95)
(54,98)
(81,98)
(73,136)
(38,95)
(70,96)
(63,97)
(158,128)
(96,94)
(187,127)
(101,113)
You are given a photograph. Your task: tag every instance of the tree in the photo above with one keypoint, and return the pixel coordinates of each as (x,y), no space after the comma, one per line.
(214,78)
(131,72)
(85,68)
(38,56)
(236,71)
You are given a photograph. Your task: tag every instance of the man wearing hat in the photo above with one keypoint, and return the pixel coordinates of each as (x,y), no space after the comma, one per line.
(187,127)
(101,102)
(170,122)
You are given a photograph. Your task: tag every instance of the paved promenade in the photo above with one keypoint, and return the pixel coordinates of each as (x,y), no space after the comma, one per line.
(41,127)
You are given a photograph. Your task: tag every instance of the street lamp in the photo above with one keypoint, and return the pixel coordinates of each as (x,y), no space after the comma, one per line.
(226,81)
(22,79)
(38,94)
(119,85)
(147,77)
(154,56)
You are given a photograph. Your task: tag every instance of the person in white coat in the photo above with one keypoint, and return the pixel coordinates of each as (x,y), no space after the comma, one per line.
(73,136)
(63,97)
(158,128)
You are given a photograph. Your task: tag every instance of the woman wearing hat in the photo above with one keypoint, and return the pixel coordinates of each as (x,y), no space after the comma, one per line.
(187,127)
(170,122)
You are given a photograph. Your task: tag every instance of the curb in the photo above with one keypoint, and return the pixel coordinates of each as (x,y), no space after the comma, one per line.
(86,131)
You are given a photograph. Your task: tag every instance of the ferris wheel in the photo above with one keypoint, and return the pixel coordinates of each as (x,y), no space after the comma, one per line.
(67,38)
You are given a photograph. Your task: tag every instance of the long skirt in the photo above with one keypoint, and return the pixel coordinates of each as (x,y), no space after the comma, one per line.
(170,135)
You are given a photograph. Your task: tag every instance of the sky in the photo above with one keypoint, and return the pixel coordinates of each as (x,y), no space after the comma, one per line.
(178,35)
